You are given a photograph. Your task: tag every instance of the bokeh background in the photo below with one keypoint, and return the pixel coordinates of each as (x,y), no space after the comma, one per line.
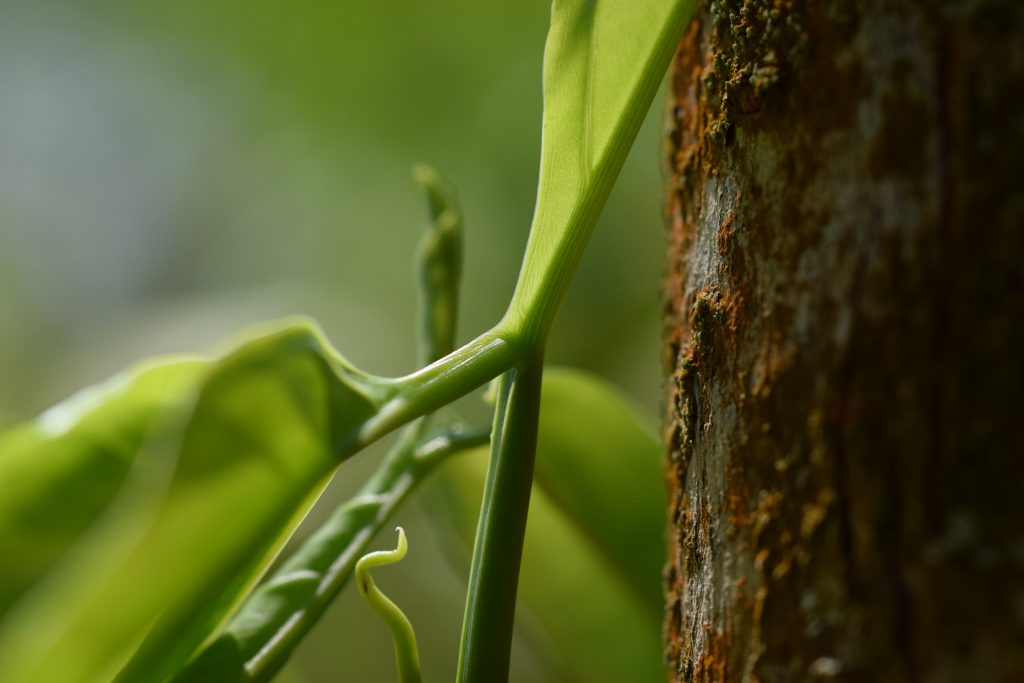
(173,171)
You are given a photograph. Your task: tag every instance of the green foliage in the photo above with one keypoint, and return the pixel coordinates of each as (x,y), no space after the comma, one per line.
(494,574)
(440,265)
(198,471)
(602,64)
(598,460)
(62,469)
(226,457)
(583,578)
(257,641)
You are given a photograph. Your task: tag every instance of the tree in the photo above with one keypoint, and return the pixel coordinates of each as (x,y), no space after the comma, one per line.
(844,324)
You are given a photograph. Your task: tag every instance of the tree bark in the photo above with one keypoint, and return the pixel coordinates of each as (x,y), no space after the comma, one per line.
(844,317)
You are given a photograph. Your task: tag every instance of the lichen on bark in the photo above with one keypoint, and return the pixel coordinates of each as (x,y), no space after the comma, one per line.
(844,314)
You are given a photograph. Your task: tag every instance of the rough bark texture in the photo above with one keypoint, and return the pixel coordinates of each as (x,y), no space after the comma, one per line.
(845,342)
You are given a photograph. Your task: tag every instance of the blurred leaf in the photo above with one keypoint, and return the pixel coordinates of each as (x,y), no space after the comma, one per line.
(61,470)
(274,618)
(260,637)
(600,463)
(230,456)
(594,542)
(602,65)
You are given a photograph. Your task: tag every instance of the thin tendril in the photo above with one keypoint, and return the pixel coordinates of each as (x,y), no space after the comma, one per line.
(406,653)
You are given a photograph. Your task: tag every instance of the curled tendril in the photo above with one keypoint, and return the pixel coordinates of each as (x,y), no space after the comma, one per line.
(407,654)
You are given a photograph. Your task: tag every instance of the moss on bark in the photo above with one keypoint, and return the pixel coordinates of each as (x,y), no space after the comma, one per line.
(844,316)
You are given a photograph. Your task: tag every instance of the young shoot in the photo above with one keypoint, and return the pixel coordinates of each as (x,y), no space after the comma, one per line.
(407,655)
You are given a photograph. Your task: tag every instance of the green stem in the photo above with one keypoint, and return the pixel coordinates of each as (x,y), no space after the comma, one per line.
(283,609)
(334,549)
(494,576)
(442,382)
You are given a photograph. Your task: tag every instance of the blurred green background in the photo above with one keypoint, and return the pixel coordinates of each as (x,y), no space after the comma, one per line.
(171,172)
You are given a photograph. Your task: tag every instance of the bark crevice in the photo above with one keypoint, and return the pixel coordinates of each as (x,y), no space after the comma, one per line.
(844,311)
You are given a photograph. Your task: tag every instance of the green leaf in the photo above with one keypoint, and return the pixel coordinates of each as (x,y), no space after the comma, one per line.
(258,640)
(61,470)
(603,62)
(600,463)
(224,471)
(596,528)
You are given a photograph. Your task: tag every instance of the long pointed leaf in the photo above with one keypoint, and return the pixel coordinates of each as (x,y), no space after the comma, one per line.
(603,62)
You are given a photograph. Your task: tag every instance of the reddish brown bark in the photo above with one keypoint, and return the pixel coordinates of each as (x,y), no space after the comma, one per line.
(844,336)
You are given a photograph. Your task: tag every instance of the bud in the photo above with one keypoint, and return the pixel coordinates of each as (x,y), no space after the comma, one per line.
(438,266)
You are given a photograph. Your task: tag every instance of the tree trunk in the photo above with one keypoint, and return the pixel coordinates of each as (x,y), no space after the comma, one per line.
(844,337)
